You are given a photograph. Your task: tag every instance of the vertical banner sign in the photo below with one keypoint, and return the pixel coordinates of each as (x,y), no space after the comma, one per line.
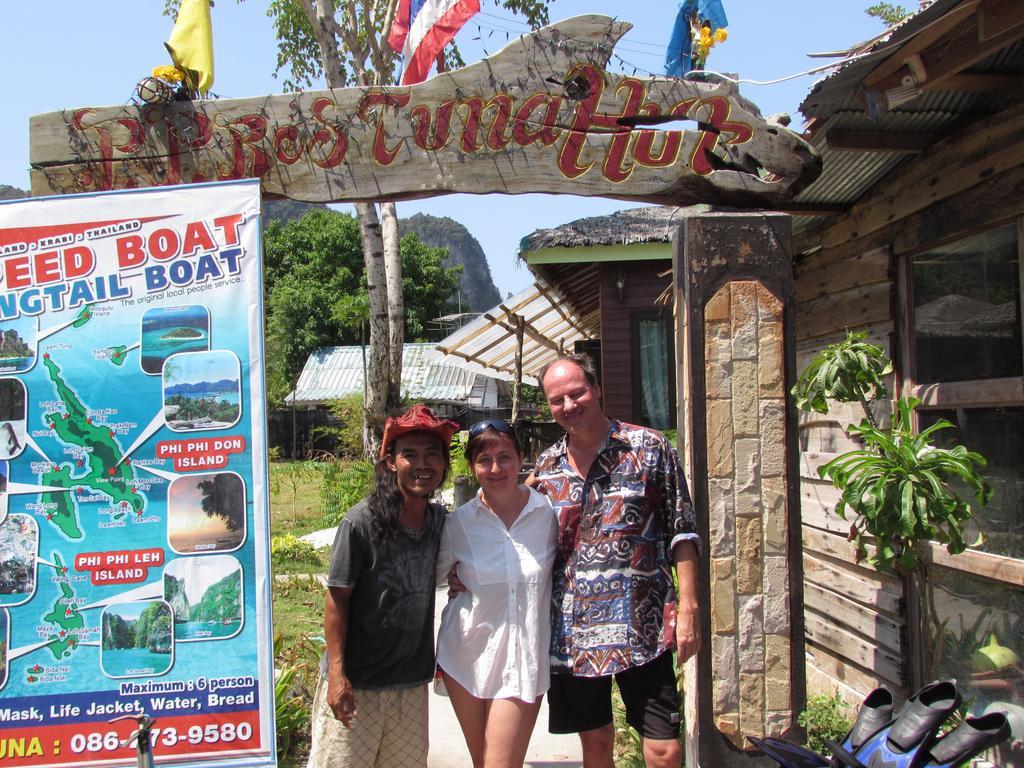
(133,509)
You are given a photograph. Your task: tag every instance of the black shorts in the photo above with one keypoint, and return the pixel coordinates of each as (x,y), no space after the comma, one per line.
(577,704)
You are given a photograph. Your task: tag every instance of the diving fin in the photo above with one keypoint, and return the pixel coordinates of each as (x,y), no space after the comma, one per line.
(875,713)
(788,754)
(973,736)
(912,731)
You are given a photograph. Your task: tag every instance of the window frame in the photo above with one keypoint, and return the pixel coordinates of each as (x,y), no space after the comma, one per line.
(980,393)
(635,318)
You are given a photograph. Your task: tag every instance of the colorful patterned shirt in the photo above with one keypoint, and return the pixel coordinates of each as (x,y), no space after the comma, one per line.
(613,598)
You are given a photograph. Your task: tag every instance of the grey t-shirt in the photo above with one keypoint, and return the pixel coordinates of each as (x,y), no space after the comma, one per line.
(390,642)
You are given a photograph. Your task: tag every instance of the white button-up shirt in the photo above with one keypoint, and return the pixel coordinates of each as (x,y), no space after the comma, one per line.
(494,637)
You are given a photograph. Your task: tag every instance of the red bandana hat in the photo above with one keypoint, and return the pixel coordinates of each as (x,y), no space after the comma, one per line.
(419,418)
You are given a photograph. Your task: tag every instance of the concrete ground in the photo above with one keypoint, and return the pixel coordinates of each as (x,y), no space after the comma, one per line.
(448,747)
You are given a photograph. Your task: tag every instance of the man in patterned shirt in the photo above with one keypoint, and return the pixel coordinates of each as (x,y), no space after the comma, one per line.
(625,521)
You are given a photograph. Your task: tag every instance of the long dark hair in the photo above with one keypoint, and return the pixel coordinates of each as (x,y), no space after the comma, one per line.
(385,500)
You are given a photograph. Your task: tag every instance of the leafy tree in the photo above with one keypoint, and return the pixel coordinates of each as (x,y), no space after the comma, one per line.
(317,295)
(890,13)
(345,43)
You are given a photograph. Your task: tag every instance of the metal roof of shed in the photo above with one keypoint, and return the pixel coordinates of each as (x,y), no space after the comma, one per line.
(334,372)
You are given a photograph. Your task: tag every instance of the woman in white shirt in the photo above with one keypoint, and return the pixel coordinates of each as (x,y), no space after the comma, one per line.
(492,648)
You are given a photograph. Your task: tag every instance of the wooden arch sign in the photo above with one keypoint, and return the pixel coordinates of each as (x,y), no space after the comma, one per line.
(541,115)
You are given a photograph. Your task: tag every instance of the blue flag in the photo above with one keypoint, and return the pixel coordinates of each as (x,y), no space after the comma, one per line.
(680,45)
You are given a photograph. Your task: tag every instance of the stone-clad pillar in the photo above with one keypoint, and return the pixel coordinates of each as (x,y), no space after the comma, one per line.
(734,317)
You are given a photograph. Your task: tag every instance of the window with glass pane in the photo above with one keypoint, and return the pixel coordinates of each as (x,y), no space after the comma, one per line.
(967,323)
(654,379)
(974,632)
(998,435)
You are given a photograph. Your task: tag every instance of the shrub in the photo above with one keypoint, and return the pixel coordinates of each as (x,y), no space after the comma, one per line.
(825,720)
(900,489)
(295,670)
(344,484)
(289,549)
(348,411)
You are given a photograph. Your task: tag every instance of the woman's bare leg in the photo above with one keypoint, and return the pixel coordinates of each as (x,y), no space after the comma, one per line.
(472,716)
(509,725)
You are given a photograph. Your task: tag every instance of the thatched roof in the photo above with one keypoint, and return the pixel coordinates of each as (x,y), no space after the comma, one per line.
(651,224)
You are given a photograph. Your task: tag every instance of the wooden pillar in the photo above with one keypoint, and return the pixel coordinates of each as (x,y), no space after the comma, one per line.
(734,284)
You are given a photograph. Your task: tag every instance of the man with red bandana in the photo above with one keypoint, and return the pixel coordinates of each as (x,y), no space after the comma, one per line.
(370,707)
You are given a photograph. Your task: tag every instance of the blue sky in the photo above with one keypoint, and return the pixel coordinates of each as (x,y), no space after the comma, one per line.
(72,54)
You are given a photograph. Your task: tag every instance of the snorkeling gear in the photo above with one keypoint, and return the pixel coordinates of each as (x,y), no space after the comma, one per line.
(908,740)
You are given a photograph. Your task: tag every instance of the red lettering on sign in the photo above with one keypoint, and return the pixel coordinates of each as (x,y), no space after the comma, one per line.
(371,109)
(330,135)
(425,138)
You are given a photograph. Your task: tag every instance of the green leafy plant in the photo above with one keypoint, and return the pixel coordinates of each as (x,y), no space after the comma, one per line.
(290,549)
(291,476)
(900,488)
(344,484)
(292,699)
(824,720)
(849,371)
(628,746)
(460,464)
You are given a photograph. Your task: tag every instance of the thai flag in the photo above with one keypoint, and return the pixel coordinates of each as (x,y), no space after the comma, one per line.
(422,28)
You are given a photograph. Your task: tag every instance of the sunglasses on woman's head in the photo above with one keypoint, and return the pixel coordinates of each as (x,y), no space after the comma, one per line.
(498,425)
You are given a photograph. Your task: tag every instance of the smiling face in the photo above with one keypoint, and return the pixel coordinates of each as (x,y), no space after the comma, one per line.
(575,403)
(419,462)
(497,464)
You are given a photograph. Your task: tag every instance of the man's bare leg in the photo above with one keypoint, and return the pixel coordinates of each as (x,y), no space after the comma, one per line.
(597,747)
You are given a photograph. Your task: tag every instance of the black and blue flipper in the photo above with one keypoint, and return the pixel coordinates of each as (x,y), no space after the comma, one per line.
(905,740)
(969,739)
(875,713)
(788,754)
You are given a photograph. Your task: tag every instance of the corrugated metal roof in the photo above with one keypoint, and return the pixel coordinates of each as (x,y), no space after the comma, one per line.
(333,372)
(488,344)
(840,102)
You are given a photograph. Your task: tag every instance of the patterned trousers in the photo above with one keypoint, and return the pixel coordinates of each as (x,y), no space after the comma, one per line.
(389,730)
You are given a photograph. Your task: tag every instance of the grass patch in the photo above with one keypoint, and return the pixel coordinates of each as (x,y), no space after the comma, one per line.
(295,504)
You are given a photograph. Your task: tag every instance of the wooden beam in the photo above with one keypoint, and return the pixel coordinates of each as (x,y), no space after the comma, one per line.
(878,141)
(919,43)
(987,83)
(994,567)
(812,209)
(951,56)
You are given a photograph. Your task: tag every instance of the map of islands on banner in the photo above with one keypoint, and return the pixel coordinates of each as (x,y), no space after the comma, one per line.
(133,508)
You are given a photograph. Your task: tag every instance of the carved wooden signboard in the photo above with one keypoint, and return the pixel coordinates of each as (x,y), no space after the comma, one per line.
(541,115)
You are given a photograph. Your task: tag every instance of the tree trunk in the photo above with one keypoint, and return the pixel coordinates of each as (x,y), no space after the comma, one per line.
(396,302)
(380,254)
(375,407)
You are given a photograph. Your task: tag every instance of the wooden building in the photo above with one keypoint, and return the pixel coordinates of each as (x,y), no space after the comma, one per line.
(615,274)
(913,233)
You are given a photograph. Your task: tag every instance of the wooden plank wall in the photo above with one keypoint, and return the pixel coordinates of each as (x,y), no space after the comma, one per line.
(965,182)
(618,357)
(854,618)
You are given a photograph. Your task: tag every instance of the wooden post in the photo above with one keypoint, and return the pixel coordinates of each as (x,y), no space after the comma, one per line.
(518,385)
(734,283)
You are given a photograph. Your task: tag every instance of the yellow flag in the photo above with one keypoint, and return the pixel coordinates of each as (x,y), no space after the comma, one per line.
(191,44)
